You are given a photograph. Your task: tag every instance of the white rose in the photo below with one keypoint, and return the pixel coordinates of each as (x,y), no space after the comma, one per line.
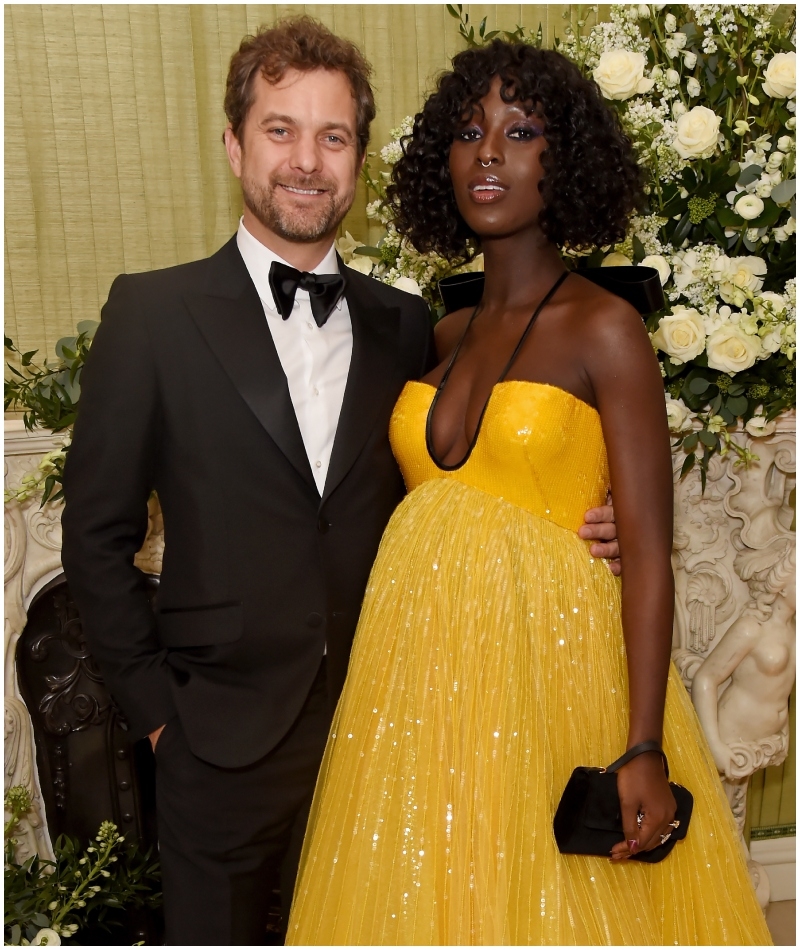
(749,207)
(758,426)
(644,11)
(672,77)
(779,76)
(409,285)
(620,74)
(678,415)
(776,303)
(731,350)
(679,39)
(670,23)
(46,938)
(697,133)
(738,276)
(615,259)
(786,143)
(690,59)
(361,263)
(692,87)
(780,235)
(678,109)
(680,334)
(660,264)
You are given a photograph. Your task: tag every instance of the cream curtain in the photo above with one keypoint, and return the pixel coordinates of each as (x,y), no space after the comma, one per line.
(114,160)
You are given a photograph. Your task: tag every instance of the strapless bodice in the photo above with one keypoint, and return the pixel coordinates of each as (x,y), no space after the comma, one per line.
(539,447)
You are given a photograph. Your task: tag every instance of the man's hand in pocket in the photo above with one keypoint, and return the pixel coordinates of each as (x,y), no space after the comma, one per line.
(154,735)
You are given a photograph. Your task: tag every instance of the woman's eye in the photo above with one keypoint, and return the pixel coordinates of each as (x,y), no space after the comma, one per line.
(468,135)
(524,133)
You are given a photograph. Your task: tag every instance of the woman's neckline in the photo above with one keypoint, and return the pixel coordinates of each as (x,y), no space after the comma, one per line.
(505,382)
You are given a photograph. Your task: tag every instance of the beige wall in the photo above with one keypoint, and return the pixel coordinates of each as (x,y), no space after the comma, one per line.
(113,152)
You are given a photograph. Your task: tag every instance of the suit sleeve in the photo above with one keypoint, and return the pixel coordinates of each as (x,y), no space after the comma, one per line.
(108,478)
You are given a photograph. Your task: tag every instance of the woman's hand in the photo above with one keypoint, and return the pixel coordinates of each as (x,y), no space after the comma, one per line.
(643,790)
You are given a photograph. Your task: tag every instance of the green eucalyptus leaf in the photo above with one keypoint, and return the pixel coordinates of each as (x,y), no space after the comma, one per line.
(88,327)
(690,442)
(688,463)
(784,192)
(736,404)
(750,174)
(699,385)
(709,439)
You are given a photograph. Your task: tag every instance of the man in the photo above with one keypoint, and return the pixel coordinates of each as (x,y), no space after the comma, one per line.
(255,401)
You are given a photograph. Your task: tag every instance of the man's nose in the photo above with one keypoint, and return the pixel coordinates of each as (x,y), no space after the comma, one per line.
(306,155)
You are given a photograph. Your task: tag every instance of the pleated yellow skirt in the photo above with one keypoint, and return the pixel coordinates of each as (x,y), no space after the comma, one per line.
(488,663)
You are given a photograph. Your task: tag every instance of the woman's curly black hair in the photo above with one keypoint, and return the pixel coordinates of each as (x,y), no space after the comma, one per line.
(592,182)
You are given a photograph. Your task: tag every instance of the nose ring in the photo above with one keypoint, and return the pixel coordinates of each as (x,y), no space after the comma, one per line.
(486,164)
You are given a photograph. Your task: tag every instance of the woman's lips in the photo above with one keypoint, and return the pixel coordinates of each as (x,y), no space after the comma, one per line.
(486,189)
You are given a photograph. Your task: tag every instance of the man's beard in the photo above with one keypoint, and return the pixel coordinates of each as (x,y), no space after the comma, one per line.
(302,225)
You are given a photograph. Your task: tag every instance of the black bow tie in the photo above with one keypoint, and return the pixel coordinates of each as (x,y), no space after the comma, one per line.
(324,290)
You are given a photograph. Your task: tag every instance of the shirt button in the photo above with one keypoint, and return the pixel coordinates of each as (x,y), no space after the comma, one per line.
(318,464)
(315,391)
(310,325)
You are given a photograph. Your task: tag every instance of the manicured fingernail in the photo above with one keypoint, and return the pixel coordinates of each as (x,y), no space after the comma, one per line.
(633,845)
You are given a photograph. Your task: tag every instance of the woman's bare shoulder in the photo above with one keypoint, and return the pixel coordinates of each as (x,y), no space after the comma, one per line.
(448,330)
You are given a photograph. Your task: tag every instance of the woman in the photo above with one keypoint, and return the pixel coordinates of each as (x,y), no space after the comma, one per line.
(494,654)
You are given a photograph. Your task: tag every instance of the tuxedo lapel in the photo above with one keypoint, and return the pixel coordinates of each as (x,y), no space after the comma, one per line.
(372,370)
(230,316)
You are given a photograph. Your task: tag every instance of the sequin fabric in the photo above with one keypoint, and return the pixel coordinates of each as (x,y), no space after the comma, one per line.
(489,662)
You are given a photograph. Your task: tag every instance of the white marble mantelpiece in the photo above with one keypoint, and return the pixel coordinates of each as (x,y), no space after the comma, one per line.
(733,587)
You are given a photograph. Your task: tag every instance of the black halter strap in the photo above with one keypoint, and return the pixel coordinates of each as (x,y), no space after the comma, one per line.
(440,388)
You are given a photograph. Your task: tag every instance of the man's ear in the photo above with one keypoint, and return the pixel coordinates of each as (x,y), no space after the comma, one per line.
(234,149)
(361,163)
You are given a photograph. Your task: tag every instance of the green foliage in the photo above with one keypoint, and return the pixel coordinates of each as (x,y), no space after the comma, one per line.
(94,886)
(48,396)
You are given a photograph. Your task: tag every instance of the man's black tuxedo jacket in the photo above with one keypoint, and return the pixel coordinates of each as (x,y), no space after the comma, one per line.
(183,393)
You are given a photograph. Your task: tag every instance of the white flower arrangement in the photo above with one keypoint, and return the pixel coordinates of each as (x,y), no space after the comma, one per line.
(706,93)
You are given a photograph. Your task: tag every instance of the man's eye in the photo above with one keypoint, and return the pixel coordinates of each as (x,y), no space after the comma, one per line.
(334,139)
(279,132)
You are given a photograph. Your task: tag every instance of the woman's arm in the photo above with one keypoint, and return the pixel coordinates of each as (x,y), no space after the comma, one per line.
(624,375)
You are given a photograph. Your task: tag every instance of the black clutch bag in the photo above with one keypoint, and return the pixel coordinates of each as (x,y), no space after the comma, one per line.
(588,819)
(640,286)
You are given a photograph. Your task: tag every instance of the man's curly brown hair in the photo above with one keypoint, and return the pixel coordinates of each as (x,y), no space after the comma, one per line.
(592,182)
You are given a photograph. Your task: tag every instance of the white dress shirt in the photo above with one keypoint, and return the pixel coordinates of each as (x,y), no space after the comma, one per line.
(316,360)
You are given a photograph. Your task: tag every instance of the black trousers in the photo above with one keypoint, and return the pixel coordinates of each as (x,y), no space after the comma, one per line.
(227,836)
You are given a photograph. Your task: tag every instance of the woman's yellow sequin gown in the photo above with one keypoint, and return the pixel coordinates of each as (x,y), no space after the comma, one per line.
(488,663)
